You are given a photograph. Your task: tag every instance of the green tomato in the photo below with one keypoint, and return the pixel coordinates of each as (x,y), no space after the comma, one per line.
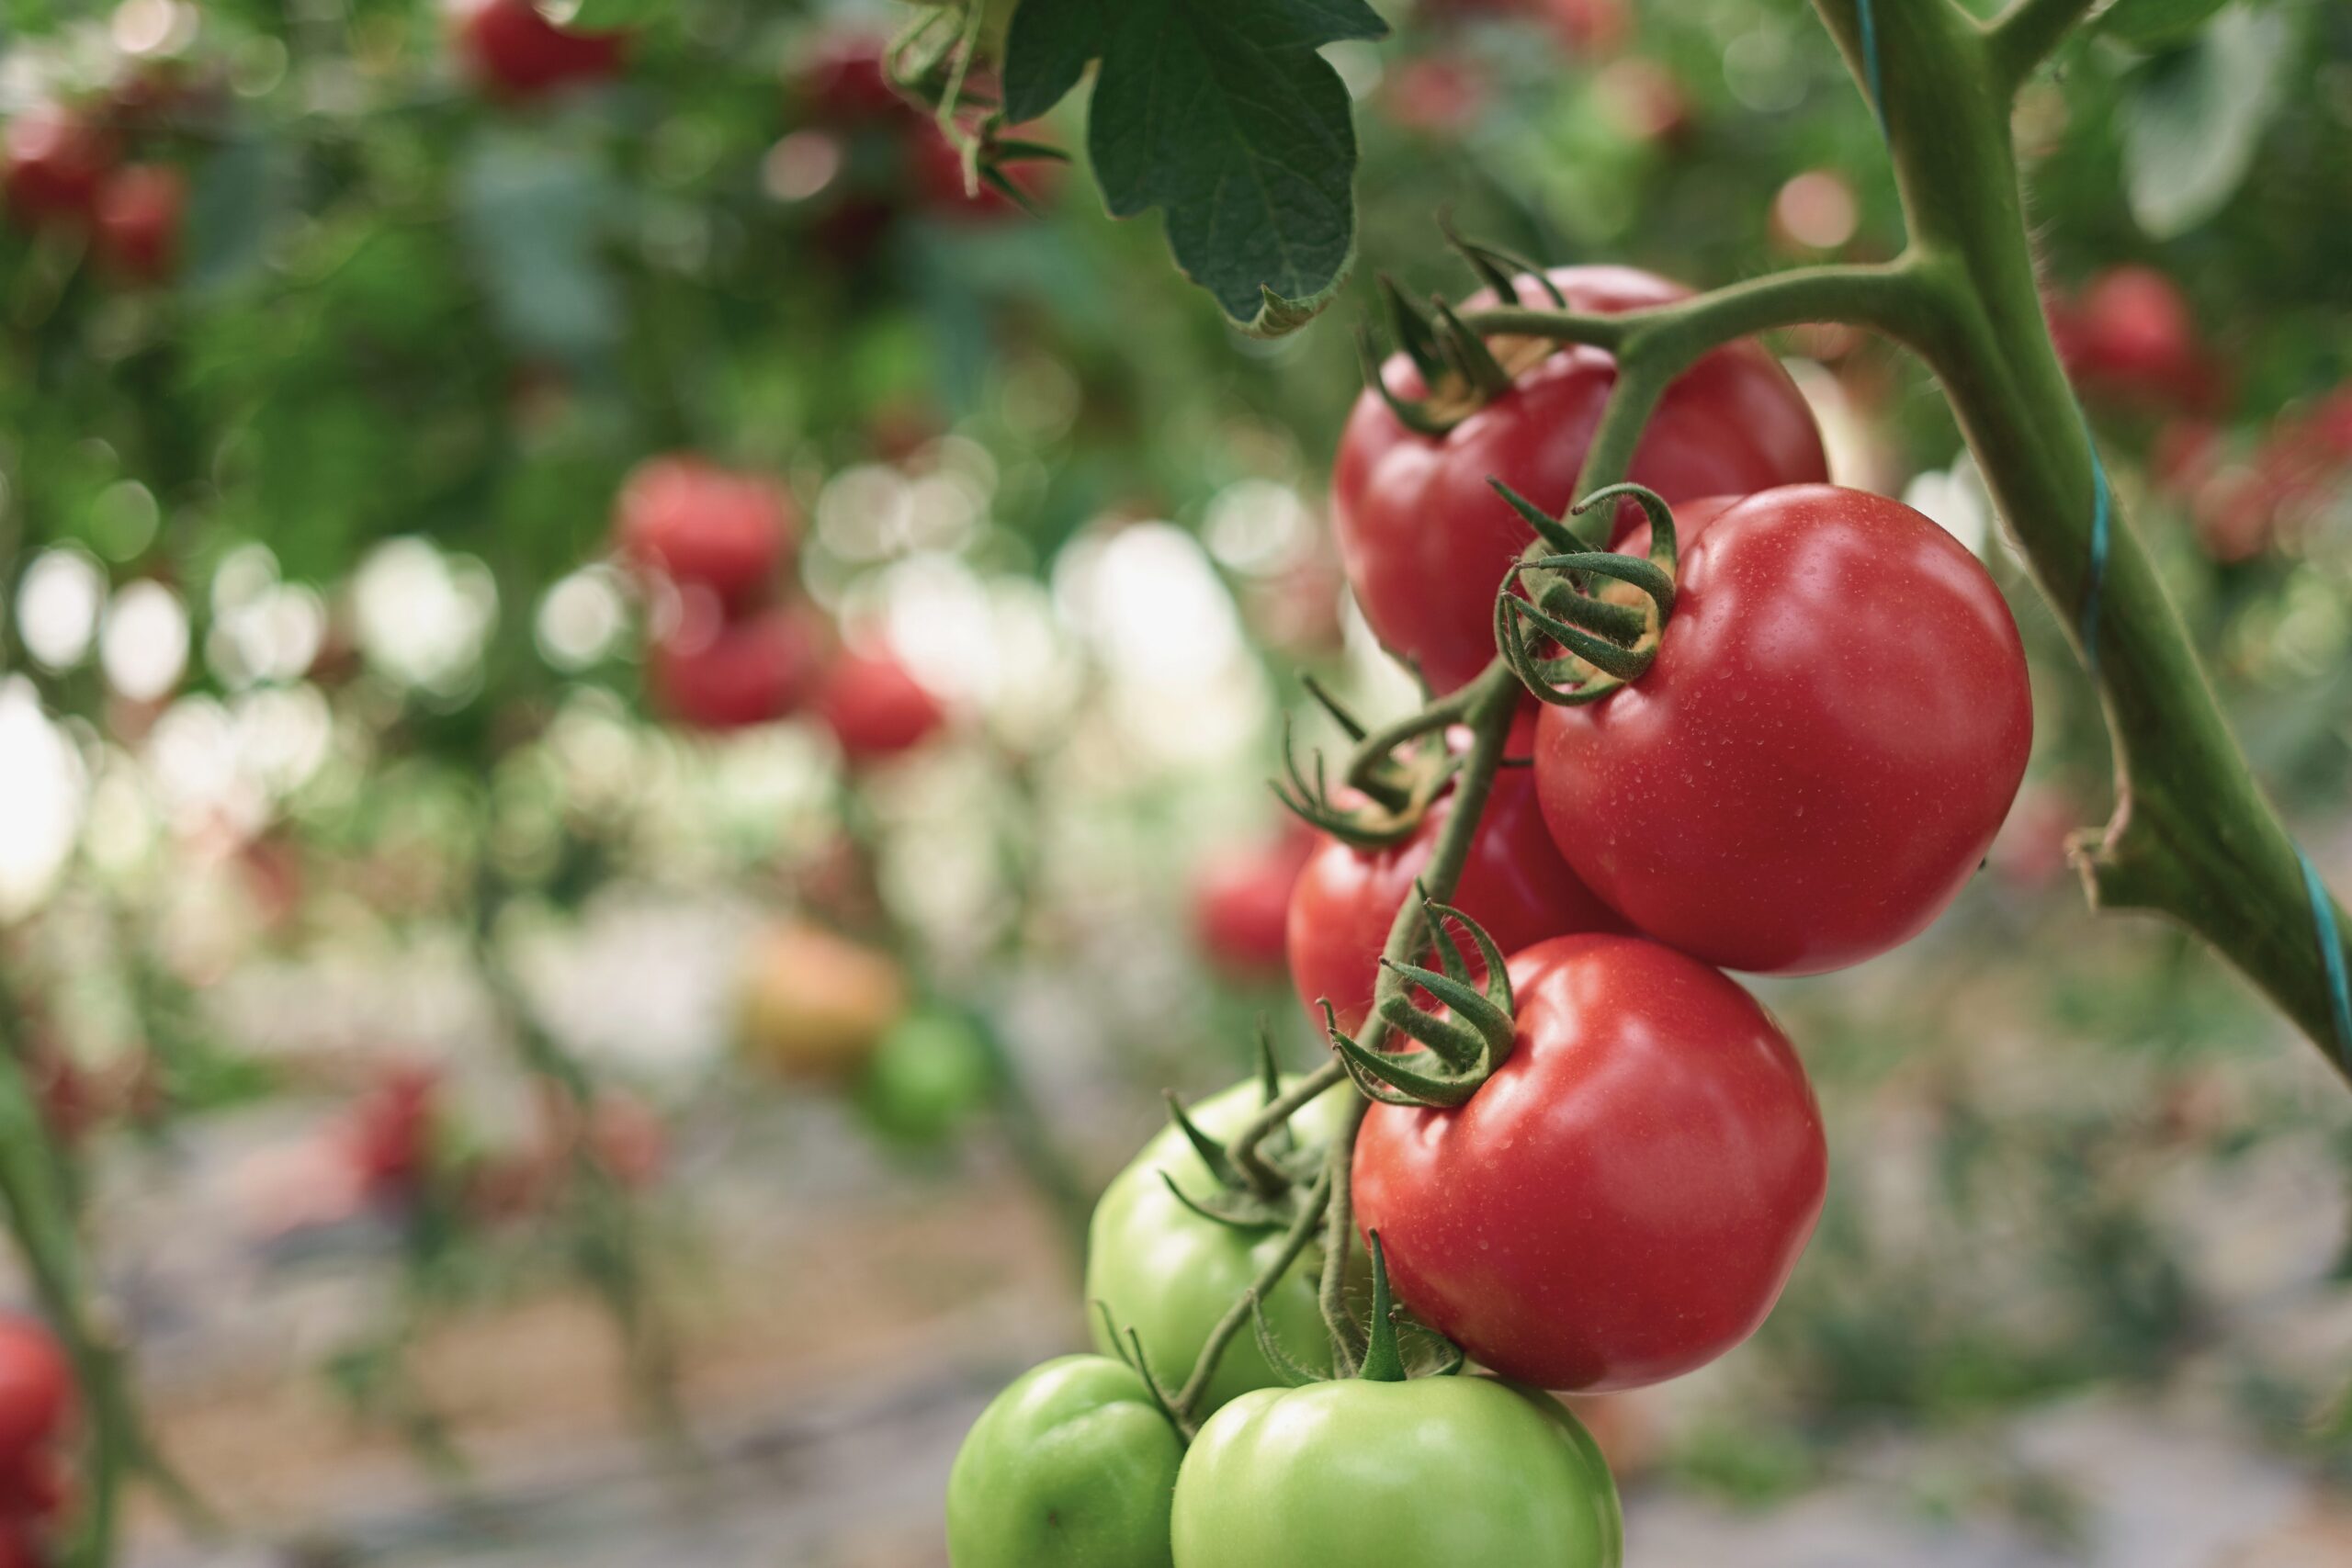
(930,1073)
(1169,1275)
(1432,1472)
(1071,1467)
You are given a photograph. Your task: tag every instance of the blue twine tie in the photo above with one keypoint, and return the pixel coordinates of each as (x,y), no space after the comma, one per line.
(1868,19)
(2331,947)
(2102,516)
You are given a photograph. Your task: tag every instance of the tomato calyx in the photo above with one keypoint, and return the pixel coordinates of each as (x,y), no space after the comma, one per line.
(1261,1186)
(1394,774)
(1457,1050)
(1460,371)
(1548,601)
(1384,1358)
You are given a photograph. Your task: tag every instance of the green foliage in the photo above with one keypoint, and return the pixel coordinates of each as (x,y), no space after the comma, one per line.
(1222,112)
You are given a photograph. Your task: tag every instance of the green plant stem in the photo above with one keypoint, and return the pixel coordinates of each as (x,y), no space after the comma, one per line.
(1338,1234)
(1236,1318)
(2193,836)
(2022,37)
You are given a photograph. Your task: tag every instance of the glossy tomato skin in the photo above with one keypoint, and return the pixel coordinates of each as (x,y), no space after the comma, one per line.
(696,522)
(518,53)
(1514,885)
(1426,542)
(732,674)
(1168,1274)
(1836,723)
(1622,1202)
(56,162)
(1431,1473)
(1073,1466)
(1242,900)
(36,1386)
(876,708)
(138,221)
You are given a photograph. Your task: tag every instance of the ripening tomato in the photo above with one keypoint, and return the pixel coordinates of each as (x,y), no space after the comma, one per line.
(718,674)
(697,523)
(56,161)
(845,82)
(33,1486)
(1835,724)
(1426,541)
(1514,885)
(513,52)
(1429,1472)
(19,1547)
(1241,899)
(36,1386)
(815,1004)
(1623,1201)
(2133,334)
(1169,1273)
(138,221)
(388,1135)
(1071,1467)
(876,708)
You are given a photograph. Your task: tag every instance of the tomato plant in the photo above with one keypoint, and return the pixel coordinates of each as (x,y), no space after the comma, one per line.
(1419,530)
(1623,1199)
(1168,1274)
(1073,1466)
(1836,721)
(1427,1473)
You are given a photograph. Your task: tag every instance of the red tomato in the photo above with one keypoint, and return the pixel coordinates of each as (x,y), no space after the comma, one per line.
(139,213)
(1588,27)
(1425,541)
(55,163)
(845,82)
(718,674)
(36,1386)
(389,1138)
(1623,1200)
(2133,334)
(696,522)
(513,52)
(1514,885)
(1836,722)
(19,1547)
(874,708)
(33,1485)
(1242,903)
(1438,94)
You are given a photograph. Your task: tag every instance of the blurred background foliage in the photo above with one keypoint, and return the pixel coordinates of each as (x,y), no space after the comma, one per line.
(346,862)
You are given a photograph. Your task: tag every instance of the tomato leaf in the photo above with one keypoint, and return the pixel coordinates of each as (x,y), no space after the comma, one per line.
(1222,113)
(2194,119)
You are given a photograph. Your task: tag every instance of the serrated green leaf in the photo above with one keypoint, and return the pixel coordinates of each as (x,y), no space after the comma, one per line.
(1222,113)
(2149,25)
(2194,117)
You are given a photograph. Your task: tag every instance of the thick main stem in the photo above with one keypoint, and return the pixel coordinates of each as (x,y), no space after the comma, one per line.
(2193,836)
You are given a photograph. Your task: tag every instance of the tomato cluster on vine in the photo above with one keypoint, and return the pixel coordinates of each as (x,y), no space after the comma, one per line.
(66,173)
(1725,716)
